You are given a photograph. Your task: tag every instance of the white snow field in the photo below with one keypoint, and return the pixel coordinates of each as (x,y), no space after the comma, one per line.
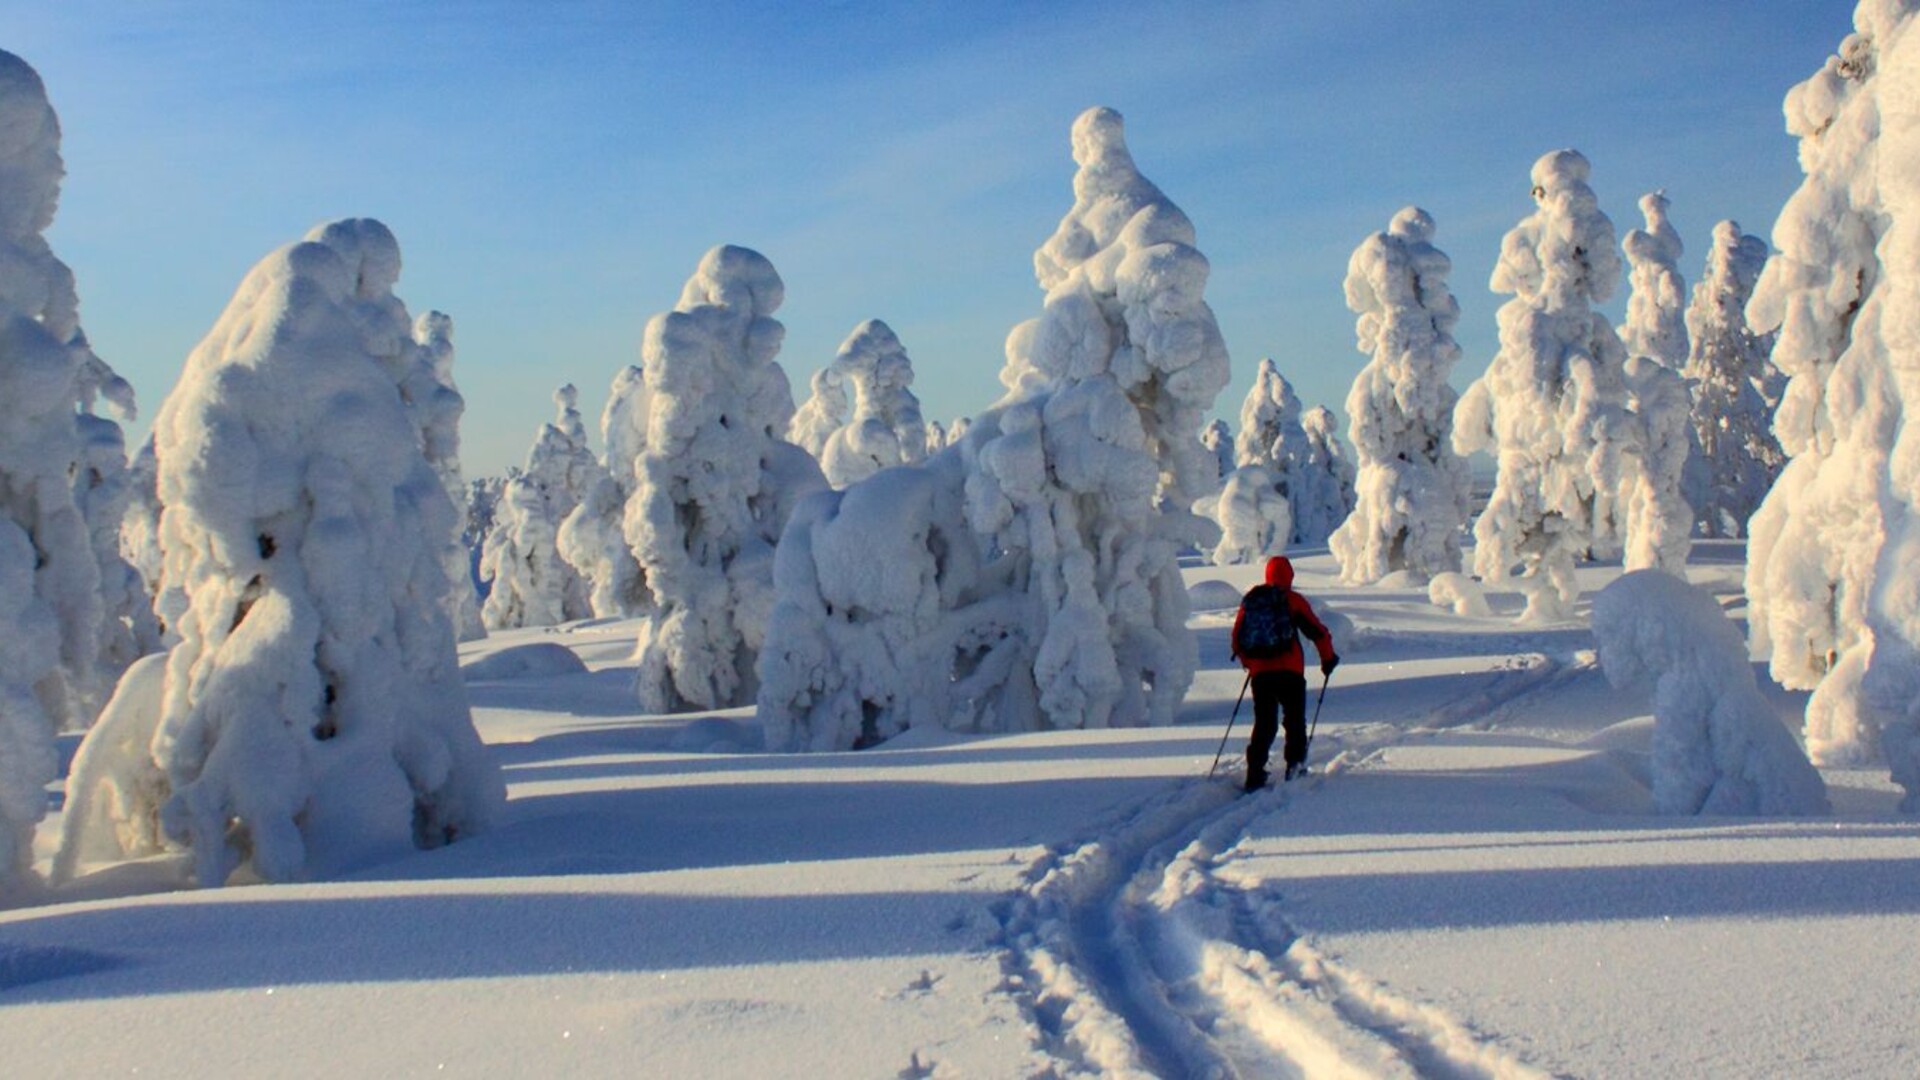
(1473,883)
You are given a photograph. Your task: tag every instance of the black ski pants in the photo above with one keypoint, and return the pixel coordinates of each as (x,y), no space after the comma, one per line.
(1276,692)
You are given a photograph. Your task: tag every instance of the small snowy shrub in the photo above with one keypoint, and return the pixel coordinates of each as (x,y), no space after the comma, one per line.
(1831,574)
(1412,488)
(1552,405)
(1718,747)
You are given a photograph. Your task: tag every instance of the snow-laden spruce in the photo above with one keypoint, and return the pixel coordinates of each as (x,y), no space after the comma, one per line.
(1833,576)
(1659,486)
(51,607)
(825,411)
(1218,439)
(1733,379)
(714,484)
(1037,554)
(1413,490)
(1255,519)
(885,427)
(529,583)
(1552,406)
(437,406)
(1718,745)
(1308,469)
(312,715)
(593,538)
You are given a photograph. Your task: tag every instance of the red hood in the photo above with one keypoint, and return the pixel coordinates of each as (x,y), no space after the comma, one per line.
(1280,571)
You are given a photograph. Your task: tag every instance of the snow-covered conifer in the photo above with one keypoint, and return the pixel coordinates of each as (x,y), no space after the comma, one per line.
(885,427)
(593,538)
(714,485)
(1660,485)
(1313,479)
(1732,377)
(1412,488)
(51,608)
(1255,519)
(1218,439)
(140,537)
(530,584)
(1327,492)
(1552,405)
(312,714)
(437,405)
(1270,410)
(1067,610)
(824,412)
(1718,746)
(1831,578)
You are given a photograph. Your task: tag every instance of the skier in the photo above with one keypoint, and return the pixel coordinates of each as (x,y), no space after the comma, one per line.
(1266,641)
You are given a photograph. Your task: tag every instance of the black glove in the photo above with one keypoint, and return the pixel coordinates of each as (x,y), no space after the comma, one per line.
(1327,665)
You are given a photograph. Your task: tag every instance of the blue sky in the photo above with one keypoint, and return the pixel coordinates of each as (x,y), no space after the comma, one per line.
(555,170)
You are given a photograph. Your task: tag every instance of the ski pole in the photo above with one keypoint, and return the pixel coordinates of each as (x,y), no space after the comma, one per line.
(1325,677)
(1225,734)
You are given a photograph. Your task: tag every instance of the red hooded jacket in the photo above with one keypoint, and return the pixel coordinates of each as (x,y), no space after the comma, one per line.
(1280,573)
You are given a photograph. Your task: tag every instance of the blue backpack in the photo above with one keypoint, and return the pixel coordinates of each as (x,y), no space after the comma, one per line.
(1266,625)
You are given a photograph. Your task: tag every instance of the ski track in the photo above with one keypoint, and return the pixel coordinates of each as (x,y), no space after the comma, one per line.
(1132,958)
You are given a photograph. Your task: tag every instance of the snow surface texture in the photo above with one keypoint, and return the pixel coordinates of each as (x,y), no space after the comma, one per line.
(884,427)
(1734,381)
(54,663)
(714,484)
(593,538)
(1413,489)
(530,584)
(1718,745)
(1832,582)
(1552,405)
(1033,562)
(312,716)
(1658,486)
(1309,470)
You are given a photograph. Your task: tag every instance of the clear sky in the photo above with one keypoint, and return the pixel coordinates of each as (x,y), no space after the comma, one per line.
(554,170)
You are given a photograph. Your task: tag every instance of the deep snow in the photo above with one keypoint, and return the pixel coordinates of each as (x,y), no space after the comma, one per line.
(1473,885)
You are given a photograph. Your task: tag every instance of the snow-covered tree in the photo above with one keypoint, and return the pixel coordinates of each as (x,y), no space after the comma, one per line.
(1552,405)
(530,584)
(104,490)
(1217,437)
(825,411)
(1311,478)
(437,406)
(885,427)
(1065,608)
(1413,491)
(481,504)
(1831,576)
(1660,485)
(714,484)
(1718,745)
(312,715)
(140,537)
(51,607)
(1733,377)
(593,538)
(1330,474)
(1255,519)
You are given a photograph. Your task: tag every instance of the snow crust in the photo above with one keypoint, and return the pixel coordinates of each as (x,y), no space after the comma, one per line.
(1413,490)
(1734,385)
(1552,406)
(311,716)
(1718,746)
(1835,599)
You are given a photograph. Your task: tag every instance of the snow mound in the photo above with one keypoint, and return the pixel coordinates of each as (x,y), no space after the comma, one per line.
(1718,746)
(1212,595)
(717,735)
(1460,593)
(540,659)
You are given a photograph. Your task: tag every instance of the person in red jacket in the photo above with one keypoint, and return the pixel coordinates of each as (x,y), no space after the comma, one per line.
(1278,674)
